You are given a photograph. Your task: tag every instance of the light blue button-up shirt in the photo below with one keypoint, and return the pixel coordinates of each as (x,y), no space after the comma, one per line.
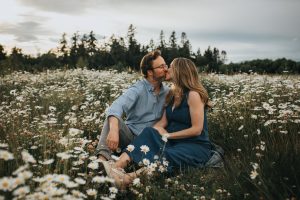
(140,104)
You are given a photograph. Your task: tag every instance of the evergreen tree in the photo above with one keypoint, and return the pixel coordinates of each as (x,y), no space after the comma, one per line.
(172,51)
(162,42)
(47,61)
(185,47)
(82,54)
(91,44)
(118,51)
(223,56)
(163,46)
(82,46)
(133,53)
(92,50)
(63,50)
(151,46)
(16,59)
(208,54)
(216,60)
(2,53)
(201,61)
(173,40)
(74,49)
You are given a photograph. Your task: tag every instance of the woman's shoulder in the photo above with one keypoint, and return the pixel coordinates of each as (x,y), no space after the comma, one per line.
(193,96)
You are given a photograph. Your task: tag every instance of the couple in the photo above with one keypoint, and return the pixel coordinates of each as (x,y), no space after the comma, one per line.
(159,118)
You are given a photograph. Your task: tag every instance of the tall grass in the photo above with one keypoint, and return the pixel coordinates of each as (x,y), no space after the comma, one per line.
(56,116)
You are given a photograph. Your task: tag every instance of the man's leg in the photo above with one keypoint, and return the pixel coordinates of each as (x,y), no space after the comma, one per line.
(125,138)
(102,149)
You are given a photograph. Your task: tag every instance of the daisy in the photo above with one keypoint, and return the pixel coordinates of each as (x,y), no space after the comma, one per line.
(136,182)
(91,192)
(113,190)
(146,162)
(130,148)
(3,145)
(6,155)
(21,191)
(99,179)
(241,127)
(5,184)
(144,148)
(165,137)
(80,181)
(27,157)
(253,174)
(71,184)
(17,181)
(93,165)
(47,162)
(62,178)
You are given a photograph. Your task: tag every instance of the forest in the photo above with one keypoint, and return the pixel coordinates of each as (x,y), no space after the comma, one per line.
(125,53)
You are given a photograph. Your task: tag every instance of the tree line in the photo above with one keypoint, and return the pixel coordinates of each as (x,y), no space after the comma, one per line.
(262,66)
(123,53)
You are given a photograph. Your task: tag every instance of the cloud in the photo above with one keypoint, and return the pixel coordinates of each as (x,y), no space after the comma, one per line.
(78,7)
(250,28)
(24,31)
(74,7)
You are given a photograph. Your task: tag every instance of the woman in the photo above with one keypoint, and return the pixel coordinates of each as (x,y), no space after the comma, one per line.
(180,137)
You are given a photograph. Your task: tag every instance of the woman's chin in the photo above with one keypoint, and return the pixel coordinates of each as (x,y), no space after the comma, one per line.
(168,78)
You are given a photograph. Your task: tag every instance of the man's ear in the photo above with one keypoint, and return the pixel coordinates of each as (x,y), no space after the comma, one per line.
(150,72)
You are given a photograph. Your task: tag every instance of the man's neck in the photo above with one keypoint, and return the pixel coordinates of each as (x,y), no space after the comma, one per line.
(155,84)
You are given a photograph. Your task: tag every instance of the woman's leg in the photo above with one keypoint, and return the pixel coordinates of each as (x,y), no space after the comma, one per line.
(150,138)
(183,155)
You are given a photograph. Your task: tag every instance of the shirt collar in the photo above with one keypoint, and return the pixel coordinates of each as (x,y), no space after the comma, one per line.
(148,85)
(150,88)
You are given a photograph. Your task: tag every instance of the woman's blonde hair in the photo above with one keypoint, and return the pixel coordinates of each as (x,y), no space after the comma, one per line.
(185,78)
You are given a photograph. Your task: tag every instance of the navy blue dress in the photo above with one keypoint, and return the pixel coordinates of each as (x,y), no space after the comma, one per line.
(180,153)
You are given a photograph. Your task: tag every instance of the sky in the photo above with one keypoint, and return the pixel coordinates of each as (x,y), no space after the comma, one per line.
(245,29)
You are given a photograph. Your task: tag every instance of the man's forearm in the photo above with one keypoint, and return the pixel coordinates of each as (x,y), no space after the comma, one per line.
(113,123)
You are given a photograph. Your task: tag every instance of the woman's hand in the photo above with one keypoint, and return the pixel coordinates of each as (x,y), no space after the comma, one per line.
(161,130)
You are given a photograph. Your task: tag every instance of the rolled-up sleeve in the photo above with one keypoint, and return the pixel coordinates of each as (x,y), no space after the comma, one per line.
(123,103)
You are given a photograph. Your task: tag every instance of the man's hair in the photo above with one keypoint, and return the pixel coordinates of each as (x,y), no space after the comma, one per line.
(147,60)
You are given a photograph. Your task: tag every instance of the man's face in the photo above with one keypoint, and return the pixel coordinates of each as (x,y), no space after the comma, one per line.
(159,69)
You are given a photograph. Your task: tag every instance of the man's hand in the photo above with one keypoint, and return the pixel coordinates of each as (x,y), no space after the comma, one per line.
(112,140)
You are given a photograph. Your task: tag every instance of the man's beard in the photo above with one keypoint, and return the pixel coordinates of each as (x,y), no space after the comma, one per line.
(159,79)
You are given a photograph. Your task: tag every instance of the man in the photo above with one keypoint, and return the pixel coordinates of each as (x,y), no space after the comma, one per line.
(142,104)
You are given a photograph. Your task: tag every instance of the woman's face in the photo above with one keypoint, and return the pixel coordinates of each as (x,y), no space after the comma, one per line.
(169,74)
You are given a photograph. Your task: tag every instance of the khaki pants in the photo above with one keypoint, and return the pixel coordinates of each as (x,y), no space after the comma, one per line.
(126,137)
